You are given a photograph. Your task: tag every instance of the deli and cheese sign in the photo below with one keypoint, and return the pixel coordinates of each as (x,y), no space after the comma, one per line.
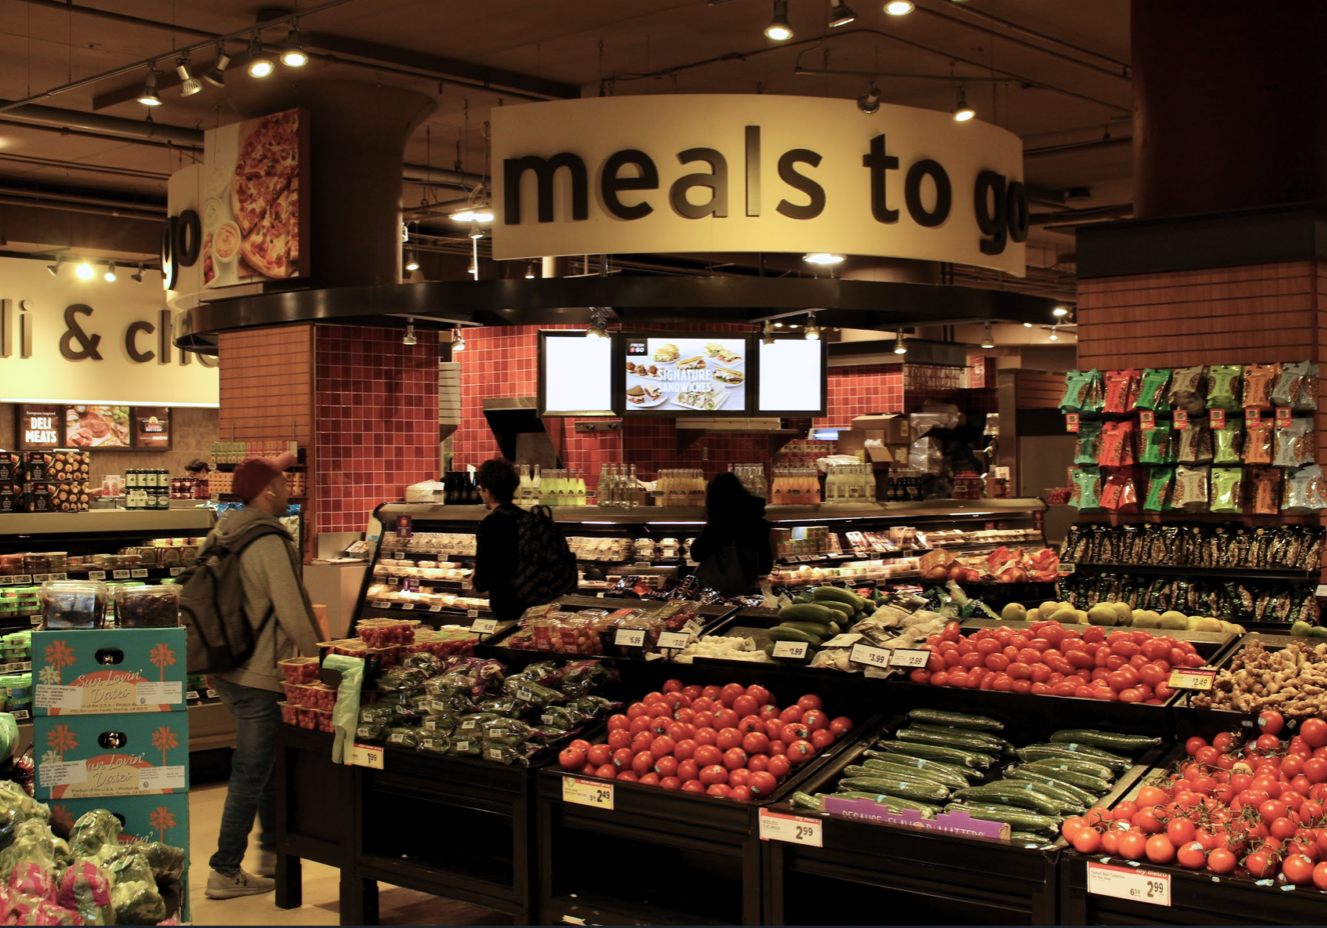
(752,173)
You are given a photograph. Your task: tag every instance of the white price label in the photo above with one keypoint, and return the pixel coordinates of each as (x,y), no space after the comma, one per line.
(910,658)
(642,565)
(630,637)
(59,697)
(472,613)
(176,571)
(594,793)
(408,607)
(96,575)
(795,829)
(436,607)
(796,650)
(1065,568)
(381,604)
(675,641)
(1191,678)
(191,696)
(119,575)
(366,755)
(23,578)
(872,657)
(1128,883)
(161,777)
(22,714)
(210,694)
(138,573)
(36,619)
(6,581)
(842,641)
(159,693)
(484,626)
(59,576)
(40,578)
(62,774)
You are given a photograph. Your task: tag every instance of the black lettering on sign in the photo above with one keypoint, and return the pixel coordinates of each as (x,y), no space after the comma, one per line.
(545,170)
(73,331)
(131,341)
(989,199)
(879,163)
(188,238)
(753,170)
(716,182)
(170,270)
(806,185)
(611,184)
(164,336)
(912,193)
(1016,211)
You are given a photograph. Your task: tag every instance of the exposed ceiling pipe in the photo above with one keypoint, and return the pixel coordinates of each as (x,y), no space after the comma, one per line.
(86,168)
(423,174)
(137,21)
(6,199)
(1049,39)
(106,125)
(1089,213)
(54,197)
(1111,142)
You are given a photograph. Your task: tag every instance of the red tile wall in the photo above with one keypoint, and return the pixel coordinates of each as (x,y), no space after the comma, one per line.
(376,407)
(857,391)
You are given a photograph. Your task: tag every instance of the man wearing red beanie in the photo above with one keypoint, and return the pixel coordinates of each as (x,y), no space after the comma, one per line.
(277,606)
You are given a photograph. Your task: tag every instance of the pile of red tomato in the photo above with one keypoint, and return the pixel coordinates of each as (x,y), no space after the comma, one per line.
(1252,807)
(732,742)
(1050,659)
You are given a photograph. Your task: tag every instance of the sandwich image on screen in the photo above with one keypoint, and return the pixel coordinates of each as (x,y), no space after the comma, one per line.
(673,374)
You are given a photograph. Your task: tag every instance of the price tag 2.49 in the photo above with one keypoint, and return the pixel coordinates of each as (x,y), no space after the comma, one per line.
(1136,885)
(1190,678)
(794,829)
(594,793)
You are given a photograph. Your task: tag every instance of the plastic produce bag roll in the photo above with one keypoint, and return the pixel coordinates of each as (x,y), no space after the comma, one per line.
(345,714)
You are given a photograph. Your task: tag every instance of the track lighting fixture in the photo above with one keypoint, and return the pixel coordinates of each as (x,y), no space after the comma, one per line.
(1060,311)
(189,85)
(779,29)
(458,340)
(475,231)
(899,346)
(259,64)
(1055,335)
(778,325)
(869,102)
(149,97)
(137,277)
(812,332)
(479,213)
(294,55)
(110,272)
(821,257)
(55,268)
(598,327)
(899,7)
(84,271)
(840,14)
(962,112)
(411,262)
(529,271)
(216,77)
(987,338)
(409,338)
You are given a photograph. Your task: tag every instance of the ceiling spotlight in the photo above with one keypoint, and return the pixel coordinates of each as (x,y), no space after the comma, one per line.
(294,55)
(899,346)
(259,64)
(1027,325)
(962,112)
(840,14)
(529,271)
(598,327)
(137,277)
(1055,337)
(409,338)
(475,231)
(458,340)
(899,7)
(1060,311)
(812,332)
(84,271)
(821,257)
(869,102)
(110,272)
(148,96)
(411,262)
(987,338)
(778,325)
(55,268)
(474,214)
(216,77)
(189,85)
(767,337)
(779,29)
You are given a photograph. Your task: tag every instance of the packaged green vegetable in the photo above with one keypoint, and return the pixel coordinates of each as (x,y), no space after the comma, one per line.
(440,724)
(466,746)
(435,744)
(86,889)
(509,706)
(475,722)
(408,680)
(404,737)
(535,694)
(505,754)
(506,731)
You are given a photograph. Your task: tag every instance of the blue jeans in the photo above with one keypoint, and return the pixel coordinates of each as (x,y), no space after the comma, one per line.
(252,786)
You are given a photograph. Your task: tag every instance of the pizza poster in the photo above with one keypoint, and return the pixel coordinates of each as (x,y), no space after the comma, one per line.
(254,224)
(672,375)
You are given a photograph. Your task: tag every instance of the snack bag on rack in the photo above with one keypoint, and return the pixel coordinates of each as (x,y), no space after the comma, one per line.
(1158,445)
(1223,386)
(1117,440)
(1152,389)
(1259,379)
(1087,444)
(1226,484)
(1120,493)
(1159,483)
(1307,400)
(1187,390)
(1191,488)
(1227,442)
(1258,442)
(1305,490)
(1075,391)
(1121,391)
(1294,443)
(1086,493)
(1266,490)
(1195,443)
(1297,386)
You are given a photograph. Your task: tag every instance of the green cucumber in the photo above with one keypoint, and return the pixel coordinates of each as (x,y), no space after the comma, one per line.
(950,739)
(881,769)
(1044,751)
(1025,838)
(1083,781)
(982,736)
(808,612)
(788,633)
(940,752)
(1076,765)
(915,789)
(893,803)
(801,800)
(922,763)
(811,628)
(1086,796)
(1110,741)
(1015,793)
(1018,818)
(838,594)
(901,768)
(1080,798)
(847,610)
(955,719)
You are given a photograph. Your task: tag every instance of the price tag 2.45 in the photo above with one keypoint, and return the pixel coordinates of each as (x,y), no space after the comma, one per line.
(794,829)
(594,793)
(1136,885)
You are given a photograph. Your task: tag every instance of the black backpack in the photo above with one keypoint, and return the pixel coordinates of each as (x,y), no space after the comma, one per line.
(220,635)
(545,568)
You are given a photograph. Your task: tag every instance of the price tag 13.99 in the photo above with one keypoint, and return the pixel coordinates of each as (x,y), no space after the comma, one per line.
(793,650)
(871,657)
(795,829)
(593,793)
(1136,885)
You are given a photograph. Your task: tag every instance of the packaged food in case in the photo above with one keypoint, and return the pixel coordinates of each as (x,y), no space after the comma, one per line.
(1224,383)
(1120,493)
(1294,443)
(1304,490)
(1259,379)
(11,467)
(1152,389)
(1191,488)
(1083,392)
(1087,443)
(1160,480)
(1297,386)
(1227,483)
(1158,445)
(1266,483)
(1117,444)
(1258,442)
(73,604)
(1228,442)
(147,606)
(1196,444)
(1187,390)
(1086,493)
(1121,391)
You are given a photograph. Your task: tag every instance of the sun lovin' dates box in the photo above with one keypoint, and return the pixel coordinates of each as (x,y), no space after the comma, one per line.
(93,756)
(106,671)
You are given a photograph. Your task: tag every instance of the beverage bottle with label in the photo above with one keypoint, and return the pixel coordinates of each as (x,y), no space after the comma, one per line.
(535,494)
(524,489)
(601,488)
(633,489)
(580,488)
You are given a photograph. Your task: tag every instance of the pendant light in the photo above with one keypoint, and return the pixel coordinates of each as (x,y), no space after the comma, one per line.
(779,29)
(217,76)
(812,331)
(869,102)
(189,85)
(84,271)
(962,112)
(822,257)
(529,271)
(293,54)
(899,7)
(767,338)
(458,340)
(149,97)
(110,272)
(411,262)
(259,64)
(840,14)
(899,346)
(987,338)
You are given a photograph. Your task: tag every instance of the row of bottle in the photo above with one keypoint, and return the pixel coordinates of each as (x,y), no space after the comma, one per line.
(681,488)
(752,477)
(849,483)
(795,486)
(618,487)
(550,488)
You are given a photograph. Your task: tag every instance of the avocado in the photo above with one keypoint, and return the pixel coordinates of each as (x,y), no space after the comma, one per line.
(1208,624)
(1102,614)
(1014,612)
(1174,620)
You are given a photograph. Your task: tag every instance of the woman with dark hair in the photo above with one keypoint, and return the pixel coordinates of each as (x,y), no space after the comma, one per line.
(197,468)
(733,549)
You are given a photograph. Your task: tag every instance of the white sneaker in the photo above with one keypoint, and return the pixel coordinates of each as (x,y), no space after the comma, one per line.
(230,885)
(266,863)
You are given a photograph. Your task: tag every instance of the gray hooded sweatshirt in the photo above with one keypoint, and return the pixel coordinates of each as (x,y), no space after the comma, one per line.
(269,569)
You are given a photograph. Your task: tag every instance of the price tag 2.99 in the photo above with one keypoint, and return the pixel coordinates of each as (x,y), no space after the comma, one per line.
(1136,885)
(793,650)
(593,793)
(795,829)
(871,657)
(909,658)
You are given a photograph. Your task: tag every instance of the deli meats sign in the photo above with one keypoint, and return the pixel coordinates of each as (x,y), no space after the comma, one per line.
(753,173)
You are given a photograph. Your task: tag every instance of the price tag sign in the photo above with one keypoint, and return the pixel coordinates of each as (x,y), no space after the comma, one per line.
(909,658)
(472,613)
(211,694)
(1190,678)
(191,696)
(1071,422)
(1137,885)
(96,575)
(872,657)
(641,565)
(366,755)
(630,637)
(484,626)
(176,571)
(1066,568)
(1218,418)
(382,604)
(1147,420)
(40,578)
(22,715)
(436,607)
(1284,417)
(794,650)
(1181,420)
(138,573)
(593,793)
(795,829)
(408,606)
(1252,416)
(120,574)
(674,641)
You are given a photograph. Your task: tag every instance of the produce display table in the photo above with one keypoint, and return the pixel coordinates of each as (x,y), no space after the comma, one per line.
(319,813)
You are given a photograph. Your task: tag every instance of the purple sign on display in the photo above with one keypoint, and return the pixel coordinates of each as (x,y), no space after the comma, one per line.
(950,823)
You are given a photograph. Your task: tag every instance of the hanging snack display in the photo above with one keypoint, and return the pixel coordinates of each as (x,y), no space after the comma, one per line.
(1178,544)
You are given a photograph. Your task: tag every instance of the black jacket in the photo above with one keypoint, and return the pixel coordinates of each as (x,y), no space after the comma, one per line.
(745,526)
(497,551)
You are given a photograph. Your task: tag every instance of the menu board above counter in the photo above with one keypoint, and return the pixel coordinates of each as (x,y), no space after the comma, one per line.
(575,374)
(49,426)
(791,375)
(683,375)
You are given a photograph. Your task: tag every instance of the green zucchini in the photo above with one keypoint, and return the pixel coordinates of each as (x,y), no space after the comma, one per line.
(922,763)
(1015,794)
(912,788)
(847,610)
(950,739)
(893,803)
(1076,765)
(1019,818)
(1046,780)
(823,593)
(901,768)
(955,719)
(1092,784)
(940,752)
(1106,740)
(1044,751)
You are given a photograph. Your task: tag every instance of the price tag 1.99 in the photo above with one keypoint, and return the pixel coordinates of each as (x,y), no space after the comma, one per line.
(795,829)
(1190,678)
(484,626)
(909,658)
(872,657)
(630,637)
(366,755)
(1136,885)
(792,650)
(593,793)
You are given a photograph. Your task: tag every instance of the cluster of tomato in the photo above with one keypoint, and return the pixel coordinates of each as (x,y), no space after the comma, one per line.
(1251,807)
(386,633)
(733,742)
(1050,659)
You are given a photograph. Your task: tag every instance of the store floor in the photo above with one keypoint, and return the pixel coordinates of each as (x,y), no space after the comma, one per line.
(396,906)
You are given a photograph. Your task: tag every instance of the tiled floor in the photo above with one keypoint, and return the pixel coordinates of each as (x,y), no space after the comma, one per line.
(396,906)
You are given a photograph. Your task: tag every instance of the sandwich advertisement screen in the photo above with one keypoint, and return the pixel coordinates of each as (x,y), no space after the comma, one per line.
(680,375)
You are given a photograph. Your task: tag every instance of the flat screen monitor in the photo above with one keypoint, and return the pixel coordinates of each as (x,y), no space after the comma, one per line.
(575,374)
(684,375)
(791,377)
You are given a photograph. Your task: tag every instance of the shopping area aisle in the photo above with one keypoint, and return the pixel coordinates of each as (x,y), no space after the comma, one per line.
(397,906)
